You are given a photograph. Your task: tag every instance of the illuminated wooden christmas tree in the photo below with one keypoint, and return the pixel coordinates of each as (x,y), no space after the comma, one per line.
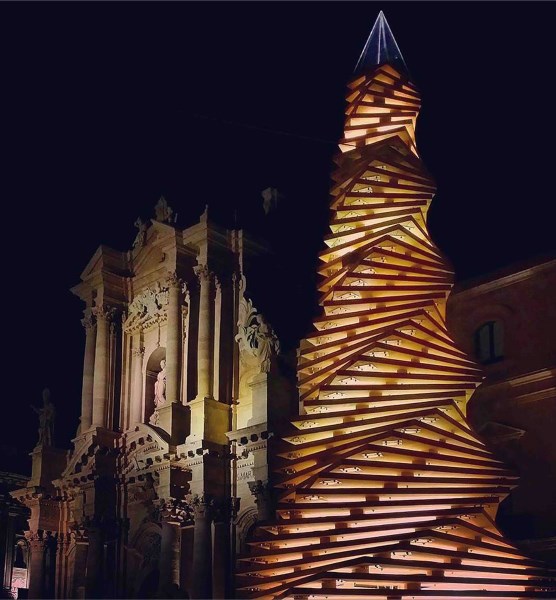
(385,491)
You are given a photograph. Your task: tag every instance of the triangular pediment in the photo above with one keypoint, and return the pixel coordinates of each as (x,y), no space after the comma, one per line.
(105,258)
(161,240)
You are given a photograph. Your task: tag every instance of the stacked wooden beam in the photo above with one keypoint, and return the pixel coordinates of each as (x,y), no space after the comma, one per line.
(385,491)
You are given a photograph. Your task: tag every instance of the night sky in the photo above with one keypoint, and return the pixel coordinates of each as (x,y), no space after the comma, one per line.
(105,107)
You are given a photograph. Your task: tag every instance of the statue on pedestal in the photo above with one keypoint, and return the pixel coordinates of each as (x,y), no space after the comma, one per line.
(46,419)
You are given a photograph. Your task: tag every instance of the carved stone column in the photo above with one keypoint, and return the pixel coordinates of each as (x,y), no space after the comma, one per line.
(100,384)
(88,373)
(221,567)
(37,547)
(201,586)
(204,362)
(173,514)
(263,499)
(93,577)
(173,340)
(169,580)
(136,408)
(61,549)
(7,538)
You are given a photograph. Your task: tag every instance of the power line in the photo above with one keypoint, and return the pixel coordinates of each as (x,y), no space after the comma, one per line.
(263,129)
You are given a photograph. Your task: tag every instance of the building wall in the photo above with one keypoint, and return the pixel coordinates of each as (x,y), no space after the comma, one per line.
(13,546)
(515,406)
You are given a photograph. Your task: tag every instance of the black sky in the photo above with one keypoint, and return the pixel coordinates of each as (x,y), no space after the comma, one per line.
(107,106)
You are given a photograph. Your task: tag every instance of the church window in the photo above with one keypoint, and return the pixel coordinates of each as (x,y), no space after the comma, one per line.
(489,342)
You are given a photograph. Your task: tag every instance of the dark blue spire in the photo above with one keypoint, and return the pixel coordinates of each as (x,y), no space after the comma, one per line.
(381,48)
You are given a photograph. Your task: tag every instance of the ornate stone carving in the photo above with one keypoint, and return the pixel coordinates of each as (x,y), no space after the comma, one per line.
(164,212)
(255,336)
(47,415)
(141,236)
(202,272)
(147,308)
(201,506)
(139,352)
(175,511)
(262,490)
(103,311)
(173,280)
(40,540)
(88,322)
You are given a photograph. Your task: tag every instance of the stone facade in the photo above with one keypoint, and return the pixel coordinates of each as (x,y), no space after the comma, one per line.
(182,389)
(14,548)
(515,407)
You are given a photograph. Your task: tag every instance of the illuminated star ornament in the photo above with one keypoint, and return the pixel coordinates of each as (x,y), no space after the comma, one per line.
(385,491)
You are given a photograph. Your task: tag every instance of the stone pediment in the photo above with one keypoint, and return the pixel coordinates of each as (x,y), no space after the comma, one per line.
(83,464)
(144,450)
(149,257)
(105,259)
(84,448)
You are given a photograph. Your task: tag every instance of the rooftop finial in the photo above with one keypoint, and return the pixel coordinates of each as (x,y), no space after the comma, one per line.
(381,48)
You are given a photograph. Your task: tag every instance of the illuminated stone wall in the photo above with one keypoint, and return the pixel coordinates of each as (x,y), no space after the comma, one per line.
(514,409)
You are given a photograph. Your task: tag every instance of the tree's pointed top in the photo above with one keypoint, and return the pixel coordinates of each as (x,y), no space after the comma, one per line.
(381,48)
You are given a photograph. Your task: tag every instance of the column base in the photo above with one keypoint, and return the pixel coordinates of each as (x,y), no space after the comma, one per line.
(174,418)
(210,420)
(48,464)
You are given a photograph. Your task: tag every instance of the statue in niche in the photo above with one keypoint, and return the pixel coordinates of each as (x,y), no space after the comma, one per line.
(160,386)
(163,212)
(141,236)
(46,419)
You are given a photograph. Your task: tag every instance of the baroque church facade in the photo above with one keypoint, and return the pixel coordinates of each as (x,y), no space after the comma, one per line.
(185,478)
(169,469)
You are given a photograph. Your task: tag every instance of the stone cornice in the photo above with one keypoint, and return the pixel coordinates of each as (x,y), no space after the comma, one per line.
(470,290)
(542,383)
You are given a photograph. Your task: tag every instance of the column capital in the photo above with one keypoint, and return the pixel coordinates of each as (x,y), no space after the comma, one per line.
(88,322)
(203,273)
(103,311)
(139,352)
(202,506)
(174,511)
(173,281)
(40,539)
(262,490)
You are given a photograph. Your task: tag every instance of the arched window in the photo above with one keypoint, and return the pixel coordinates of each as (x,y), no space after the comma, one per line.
(489,342)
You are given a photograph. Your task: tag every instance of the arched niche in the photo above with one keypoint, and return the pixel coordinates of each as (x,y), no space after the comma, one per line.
(143,561)
(151,372)
(245,526)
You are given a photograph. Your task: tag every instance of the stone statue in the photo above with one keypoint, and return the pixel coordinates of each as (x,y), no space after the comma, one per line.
(46,419)
(271,196)
(255,336)
(160,386)
(266,342)
(141,236)
(164,213)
